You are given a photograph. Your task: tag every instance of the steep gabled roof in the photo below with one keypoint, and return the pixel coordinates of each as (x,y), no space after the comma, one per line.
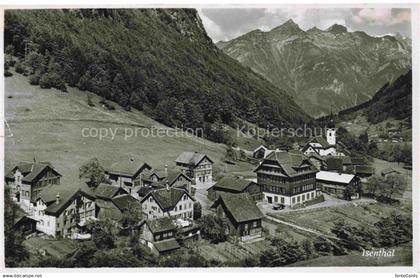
(127,168)
(232,183)
(126,202)
(191,158)
(239,206)
(56,209)
(108,191)
(31,170)
(290,162)
(167,198)
(169,177)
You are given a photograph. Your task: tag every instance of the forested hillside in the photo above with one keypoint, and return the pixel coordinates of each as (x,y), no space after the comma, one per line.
(391,101)
(158,60)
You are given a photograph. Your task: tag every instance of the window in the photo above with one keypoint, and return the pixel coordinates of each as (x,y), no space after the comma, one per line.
(298,198)
(303,197)
(254,224)
(293,200)
(189,205)
(180,207)
(282,200)
(150,199)
(276,199)
(185,197)
(312,194)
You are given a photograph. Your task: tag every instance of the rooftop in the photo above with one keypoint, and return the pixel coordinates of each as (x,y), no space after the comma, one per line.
(334,177)
(127,167)
(232,183)
(191,158)
(290,162)
(30,170)
(160,225)
(166,245)
(107,191)
(239,206)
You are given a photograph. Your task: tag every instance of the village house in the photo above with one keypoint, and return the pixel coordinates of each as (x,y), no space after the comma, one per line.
(111,202)
(287,178)
(159,235)
(27,179)
(243,216)
(24,223)
(60,211)
(235,185)
(106,191)
(160,179)
(128,174)
(197,166)
(168,202)
(344,186)
(362,168)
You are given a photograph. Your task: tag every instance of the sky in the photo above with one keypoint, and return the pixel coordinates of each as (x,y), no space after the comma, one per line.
(226,24)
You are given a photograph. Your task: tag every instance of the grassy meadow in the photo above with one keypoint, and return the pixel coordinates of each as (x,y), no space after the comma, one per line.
(51,126)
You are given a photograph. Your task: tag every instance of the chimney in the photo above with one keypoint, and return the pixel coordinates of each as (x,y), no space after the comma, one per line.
(57,198)
(166,169)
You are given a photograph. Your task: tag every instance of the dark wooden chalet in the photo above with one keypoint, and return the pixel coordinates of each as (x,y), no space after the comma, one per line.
(243,215)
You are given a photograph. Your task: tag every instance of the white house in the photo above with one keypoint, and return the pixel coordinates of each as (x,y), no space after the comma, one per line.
(171,201)
(197,166)
(59,212)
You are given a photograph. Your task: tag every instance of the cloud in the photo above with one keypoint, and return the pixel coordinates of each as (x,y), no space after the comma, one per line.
(226,24)
(381,16)
(212,28)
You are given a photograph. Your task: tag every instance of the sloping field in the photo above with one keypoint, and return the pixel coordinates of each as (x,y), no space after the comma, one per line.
(63,129)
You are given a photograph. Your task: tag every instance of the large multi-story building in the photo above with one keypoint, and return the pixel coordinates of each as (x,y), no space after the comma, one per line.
(27,179)
(287,178)
(60,211)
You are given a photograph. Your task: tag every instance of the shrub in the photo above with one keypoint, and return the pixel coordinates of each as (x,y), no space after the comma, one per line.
(197,210)
(19,67)
(34,79)
(7,73)
(213,228)
(52,80)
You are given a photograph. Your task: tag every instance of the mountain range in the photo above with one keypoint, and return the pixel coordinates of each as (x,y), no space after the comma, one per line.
(323,70)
